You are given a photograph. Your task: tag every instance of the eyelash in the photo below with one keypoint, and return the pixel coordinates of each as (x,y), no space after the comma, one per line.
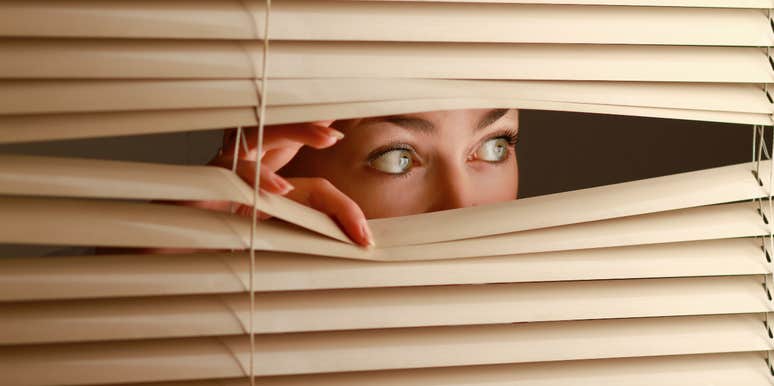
(392,147)
(388,148)
(510,135)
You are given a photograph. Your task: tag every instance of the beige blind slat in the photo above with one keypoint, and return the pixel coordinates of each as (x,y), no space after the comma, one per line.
(38,97)
(733,369)
(300,311)
(106,223)
(24,128)
(14,129)
(681,225)
(291,114)
(127,59)
(385,21)
(302,353)
(23,279)
(69,177)
(629,198)
(72,177)
(651,3)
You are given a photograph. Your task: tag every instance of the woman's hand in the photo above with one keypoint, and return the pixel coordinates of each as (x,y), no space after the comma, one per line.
(280,145)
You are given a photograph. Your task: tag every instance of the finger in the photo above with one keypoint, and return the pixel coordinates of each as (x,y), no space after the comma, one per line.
(277,158)
(274,183)
(323,196)
(316,136)
(290,136)
(247,211)
(270,181)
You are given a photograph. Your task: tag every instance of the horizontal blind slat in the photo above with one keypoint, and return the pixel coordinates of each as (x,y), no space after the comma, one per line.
(355,110)
(732,183)
(647,3)
(39,97)
(704,223)
(46,278)
(30,128)
(73,177)
(301,311)
(107,223)
(392,21)
(159,59)
(303,353)
(728,369)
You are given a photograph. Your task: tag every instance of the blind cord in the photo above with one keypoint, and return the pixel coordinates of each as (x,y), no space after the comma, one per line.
(759,149)
(767,241)
(236,149)
(260,118)
(759,137)
(234,162)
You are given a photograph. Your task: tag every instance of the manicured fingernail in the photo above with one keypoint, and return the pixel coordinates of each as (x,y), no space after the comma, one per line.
(336,134)
(282,185)
(366,233)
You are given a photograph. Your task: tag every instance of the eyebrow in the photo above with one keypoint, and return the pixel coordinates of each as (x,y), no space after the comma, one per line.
(413,123)
(491,117)
(426,126)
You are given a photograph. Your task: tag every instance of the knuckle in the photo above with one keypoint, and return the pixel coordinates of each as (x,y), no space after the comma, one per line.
(322,184)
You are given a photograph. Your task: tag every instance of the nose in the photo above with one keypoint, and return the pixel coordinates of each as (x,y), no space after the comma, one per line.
(452,189)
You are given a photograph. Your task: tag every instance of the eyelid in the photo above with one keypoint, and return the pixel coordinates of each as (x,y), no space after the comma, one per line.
(511,135)
(382,150)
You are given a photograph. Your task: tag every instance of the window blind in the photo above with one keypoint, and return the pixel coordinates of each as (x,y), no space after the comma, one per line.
(662,280)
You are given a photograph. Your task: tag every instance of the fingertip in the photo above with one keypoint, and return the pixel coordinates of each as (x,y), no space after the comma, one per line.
(285,186)
(336,134)
(366,238)
(356,227)
(327,137)
(274,183)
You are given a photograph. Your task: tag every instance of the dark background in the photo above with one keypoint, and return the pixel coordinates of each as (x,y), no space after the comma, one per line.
(560,151)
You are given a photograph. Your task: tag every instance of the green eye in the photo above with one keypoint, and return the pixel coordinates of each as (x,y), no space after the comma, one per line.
(493,150)
(396,161)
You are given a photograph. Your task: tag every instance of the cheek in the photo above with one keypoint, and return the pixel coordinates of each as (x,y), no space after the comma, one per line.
(390,197)
(383,196)
(496,183)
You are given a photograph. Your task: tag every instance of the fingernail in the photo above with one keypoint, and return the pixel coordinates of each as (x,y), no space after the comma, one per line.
(336,134)
(282,185)
(366,233)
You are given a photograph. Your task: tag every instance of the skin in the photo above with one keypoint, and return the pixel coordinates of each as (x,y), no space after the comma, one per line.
(343,168)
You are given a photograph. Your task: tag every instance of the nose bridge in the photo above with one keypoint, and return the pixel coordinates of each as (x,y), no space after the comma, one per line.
(454,189)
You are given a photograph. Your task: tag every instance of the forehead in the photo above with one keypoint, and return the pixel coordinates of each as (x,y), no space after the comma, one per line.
(430,121)
(463,114)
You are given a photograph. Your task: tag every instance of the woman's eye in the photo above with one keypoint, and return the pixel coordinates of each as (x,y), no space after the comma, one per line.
(493,150)
(396,161)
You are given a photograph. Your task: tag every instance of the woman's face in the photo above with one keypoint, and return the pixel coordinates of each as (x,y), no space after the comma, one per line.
(408,164)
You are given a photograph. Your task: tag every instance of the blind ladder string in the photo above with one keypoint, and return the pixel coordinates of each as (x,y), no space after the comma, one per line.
(260,115)
(766,247)
(237,140)
(759,132)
